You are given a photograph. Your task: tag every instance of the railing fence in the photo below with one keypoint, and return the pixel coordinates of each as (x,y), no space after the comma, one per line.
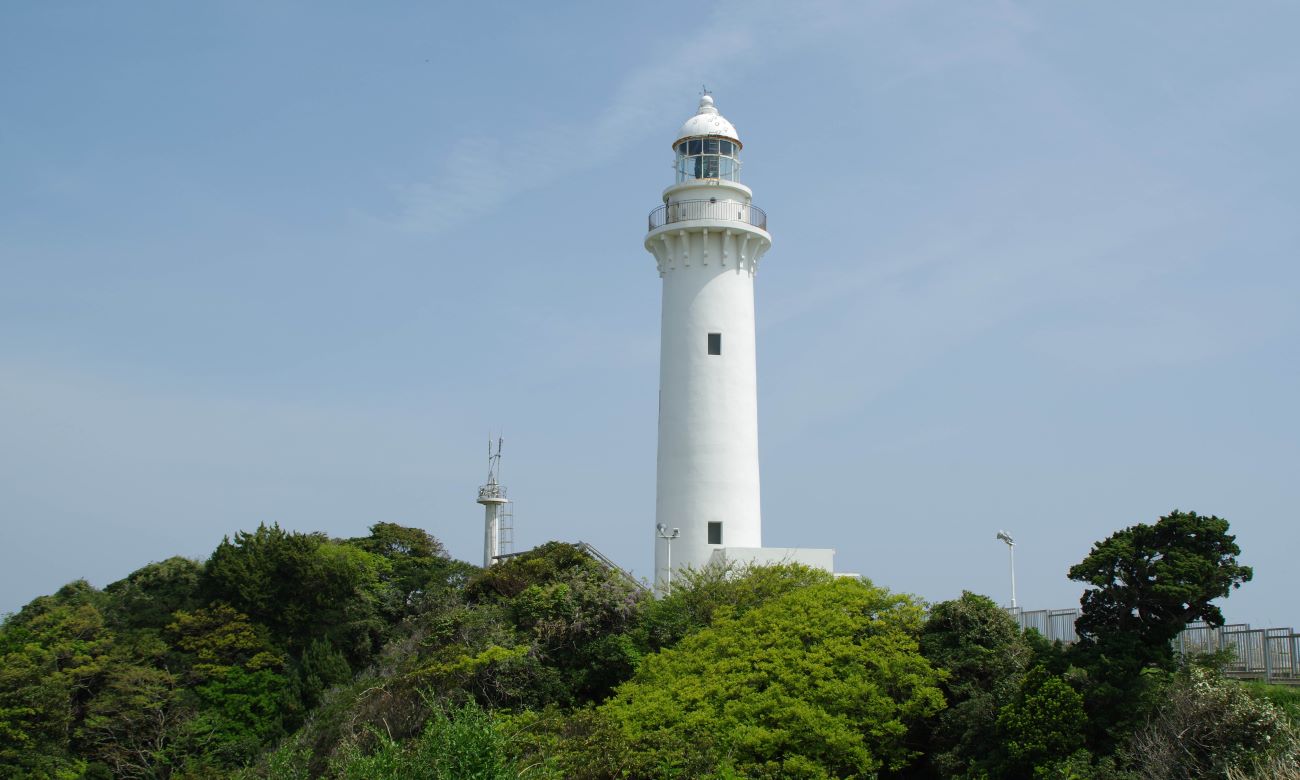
(685,210)
(1271,654)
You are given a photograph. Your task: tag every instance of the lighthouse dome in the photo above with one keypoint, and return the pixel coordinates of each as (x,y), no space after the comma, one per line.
(707,121)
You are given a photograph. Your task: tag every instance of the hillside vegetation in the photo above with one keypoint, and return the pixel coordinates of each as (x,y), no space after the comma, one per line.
(289,655)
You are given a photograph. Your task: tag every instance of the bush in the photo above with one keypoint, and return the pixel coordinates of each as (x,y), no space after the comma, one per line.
(981,648)
(457,744)
(1208,727)
(823,682)
(1044,724)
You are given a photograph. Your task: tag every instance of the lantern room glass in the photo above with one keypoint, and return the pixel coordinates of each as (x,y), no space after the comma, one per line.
(708,158)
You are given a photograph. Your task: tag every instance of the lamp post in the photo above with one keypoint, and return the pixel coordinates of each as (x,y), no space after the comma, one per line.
(1011,547)
(664,534)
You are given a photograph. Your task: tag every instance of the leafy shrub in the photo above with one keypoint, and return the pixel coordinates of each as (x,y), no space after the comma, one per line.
(1042,725)
(700,595)
(456,744)
(822,682)
(1208,726)
(984,653)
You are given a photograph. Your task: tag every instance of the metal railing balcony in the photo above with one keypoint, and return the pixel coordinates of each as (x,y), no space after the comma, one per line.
(684,210)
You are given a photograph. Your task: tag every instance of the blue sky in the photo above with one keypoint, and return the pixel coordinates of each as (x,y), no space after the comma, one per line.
(1034,268)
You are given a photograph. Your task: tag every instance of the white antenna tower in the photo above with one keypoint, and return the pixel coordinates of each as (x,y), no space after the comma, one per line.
(498,512)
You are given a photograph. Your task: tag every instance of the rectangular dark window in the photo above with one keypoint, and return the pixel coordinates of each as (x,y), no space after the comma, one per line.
(715,343)
(715,533)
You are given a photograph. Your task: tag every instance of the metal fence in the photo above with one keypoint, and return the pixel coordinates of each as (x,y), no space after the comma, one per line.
(1052,623)
(1271,654)
(683,210)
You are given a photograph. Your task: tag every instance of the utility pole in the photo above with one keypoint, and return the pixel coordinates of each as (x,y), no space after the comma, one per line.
(664,534)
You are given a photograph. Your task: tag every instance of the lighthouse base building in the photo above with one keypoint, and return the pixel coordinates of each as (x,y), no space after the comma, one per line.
(707,239)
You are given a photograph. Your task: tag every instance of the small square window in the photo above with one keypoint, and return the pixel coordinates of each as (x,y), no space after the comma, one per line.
(715,343)
(715,533)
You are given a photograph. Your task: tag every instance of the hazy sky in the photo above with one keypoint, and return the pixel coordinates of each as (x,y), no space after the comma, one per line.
(1035,267)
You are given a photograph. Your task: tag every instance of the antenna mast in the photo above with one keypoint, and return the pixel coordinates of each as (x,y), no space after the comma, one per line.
(498,512)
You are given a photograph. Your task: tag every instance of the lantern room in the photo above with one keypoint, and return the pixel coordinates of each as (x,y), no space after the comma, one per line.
(707,146)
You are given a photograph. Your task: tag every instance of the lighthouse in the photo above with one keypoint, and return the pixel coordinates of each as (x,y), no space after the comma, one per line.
(707,239)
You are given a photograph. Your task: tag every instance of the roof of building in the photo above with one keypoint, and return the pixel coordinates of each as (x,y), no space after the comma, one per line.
(707,121)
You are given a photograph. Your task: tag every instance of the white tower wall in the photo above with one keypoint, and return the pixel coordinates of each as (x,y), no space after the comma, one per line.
(492,507)
(707,246)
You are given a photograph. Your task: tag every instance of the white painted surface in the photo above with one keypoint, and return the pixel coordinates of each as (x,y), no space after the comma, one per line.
(491,528)
(816,558)
(708,404)
(708,122)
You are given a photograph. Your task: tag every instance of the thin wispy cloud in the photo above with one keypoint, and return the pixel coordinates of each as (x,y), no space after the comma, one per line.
(480,174)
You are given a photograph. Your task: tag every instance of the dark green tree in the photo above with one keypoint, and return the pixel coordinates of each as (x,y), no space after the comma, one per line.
(981,648)
(420,575)
(321,667)
(1043,725)
(236,685)
(550,563)
(302,587)
(1146,583)
(552,625)
(1149,581)
(147,597)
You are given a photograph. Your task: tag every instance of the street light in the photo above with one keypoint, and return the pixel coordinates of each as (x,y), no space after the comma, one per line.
(1011,546)
(662,530)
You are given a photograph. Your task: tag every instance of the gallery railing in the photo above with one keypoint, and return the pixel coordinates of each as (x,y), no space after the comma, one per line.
(686,210)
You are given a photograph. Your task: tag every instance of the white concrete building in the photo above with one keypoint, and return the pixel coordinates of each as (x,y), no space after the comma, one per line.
(707,239)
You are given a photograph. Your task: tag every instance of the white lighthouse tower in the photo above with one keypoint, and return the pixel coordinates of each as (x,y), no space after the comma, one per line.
(707,239)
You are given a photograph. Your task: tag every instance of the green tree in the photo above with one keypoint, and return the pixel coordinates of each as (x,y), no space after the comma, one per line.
(1149,581)
(984,653)
(54,656)
(132,723)
(302,587)
(1146,583)
(822,682)
(701,595)
(147,597)
(420,573)
(572,622)
(549,563)
(235,685)
(322,666)
(1043,725)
